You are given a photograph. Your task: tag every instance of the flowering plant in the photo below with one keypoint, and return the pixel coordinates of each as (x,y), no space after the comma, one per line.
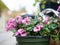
(34,27)
(50,26)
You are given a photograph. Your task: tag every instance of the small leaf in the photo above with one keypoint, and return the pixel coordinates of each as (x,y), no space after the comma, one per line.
(47,29)
(29,28)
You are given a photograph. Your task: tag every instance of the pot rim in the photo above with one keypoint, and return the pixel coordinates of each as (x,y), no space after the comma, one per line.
(34,36)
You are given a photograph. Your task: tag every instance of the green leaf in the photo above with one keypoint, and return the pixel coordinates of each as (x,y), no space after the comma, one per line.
(43,33)
(52,26)
(55,37)
(47,29)
(13,31)
(29,28)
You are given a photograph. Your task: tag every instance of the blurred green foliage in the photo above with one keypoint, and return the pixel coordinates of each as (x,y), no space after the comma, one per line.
(2,5)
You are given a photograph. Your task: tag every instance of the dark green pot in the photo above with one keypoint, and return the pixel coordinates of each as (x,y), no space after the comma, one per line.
(32,40)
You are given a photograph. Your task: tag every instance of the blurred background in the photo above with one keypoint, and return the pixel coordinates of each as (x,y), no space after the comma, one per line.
(12,8)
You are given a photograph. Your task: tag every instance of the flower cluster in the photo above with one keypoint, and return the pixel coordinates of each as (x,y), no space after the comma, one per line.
(32,27)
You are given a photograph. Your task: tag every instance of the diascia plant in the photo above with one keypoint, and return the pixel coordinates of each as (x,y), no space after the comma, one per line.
(34,27)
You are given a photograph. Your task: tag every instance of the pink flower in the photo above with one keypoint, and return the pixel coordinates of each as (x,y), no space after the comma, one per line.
(22,32)
(37,28)
(11,24)
(19,19)
(10,27)
(46,18)
(55,20)
(58,9)
(56,31)
(26,20)
(47,22)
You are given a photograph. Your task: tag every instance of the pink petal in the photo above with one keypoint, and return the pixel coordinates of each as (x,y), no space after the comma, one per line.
(20,31)
(25,34)
(55,21)
(17,33)
(19,19)
(36,29)
(8,27)
(11,20)
(41,26)
(58,9)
